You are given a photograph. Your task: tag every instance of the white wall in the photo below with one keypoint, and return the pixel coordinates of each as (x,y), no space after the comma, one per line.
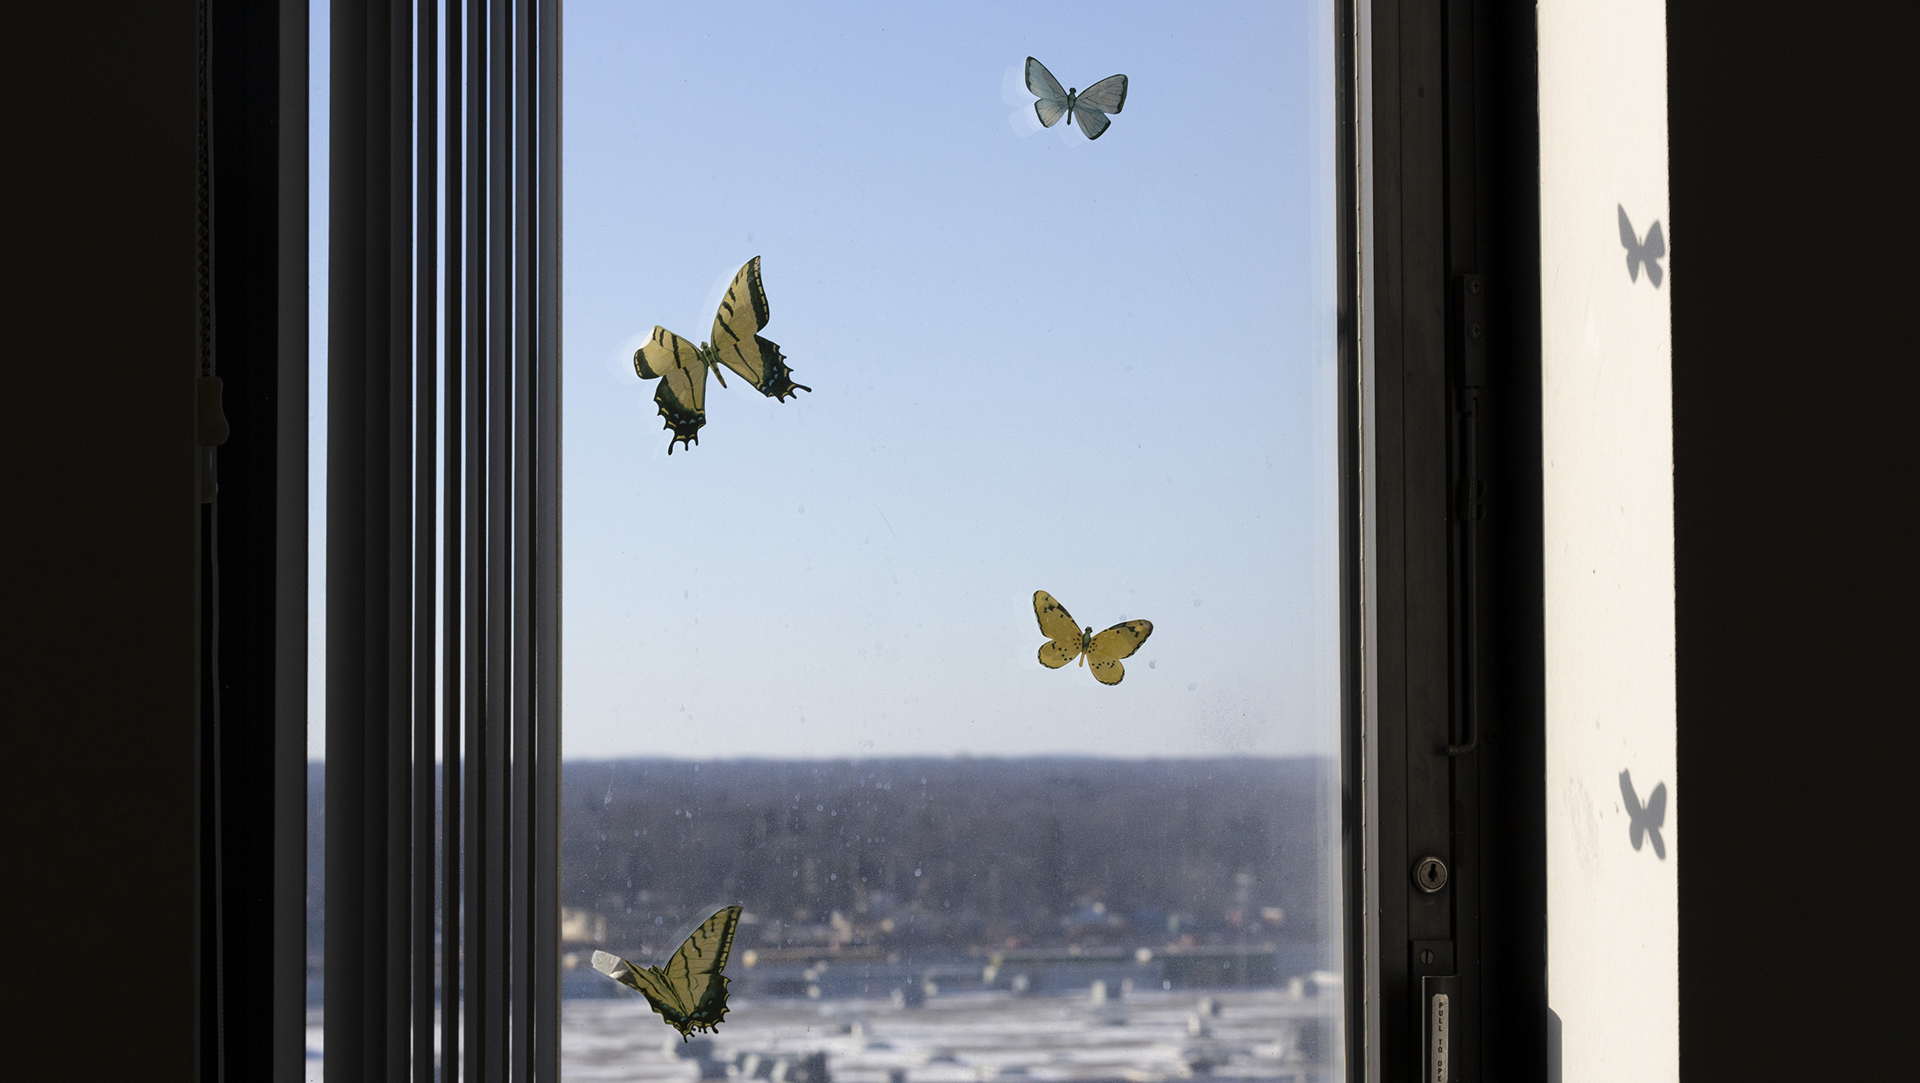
(1607,421)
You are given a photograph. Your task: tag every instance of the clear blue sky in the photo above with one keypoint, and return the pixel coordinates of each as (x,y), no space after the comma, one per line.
(1103,369)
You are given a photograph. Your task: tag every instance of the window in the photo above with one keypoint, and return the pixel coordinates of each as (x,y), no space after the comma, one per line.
(800,669)
(1045,384)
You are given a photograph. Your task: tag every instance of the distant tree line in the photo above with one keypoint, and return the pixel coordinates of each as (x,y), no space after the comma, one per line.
(956,852)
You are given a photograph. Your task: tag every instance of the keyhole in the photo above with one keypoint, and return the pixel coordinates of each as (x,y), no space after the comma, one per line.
(1430,874)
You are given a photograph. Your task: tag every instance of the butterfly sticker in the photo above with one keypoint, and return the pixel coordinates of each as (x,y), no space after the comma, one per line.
(1640,252)
(1645,820)
(681,367)
(1090,108)
(689,992)
(1102,652)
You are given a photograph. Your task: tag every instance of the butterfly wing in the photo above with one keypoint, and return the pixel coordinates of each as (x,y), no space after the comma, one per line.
(1107,95)
(1053,97)
(1091,107)
(1057,625)
(1053,655)
(649,981)
(1093,123)
(693,973)
(682,394)
(1117,642)
(743,312)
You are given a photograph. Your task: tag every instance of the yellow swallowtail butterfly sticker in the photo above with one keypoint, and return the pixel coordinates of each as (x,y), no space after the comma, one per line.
(681,367)
(1066,641)
(689,992)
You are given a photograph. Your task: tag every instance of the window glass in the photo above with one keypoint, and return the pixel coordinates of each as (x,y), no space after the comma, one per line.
(803,666)
(318,146)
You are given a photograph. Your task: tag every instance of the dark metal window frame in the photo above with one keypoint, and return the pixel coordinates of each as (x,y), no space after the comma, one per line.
(1451,741)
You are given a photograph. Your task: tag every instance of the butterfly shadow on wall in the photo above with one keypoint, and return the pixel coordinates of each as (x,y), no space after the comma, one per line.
(1642,253)
(1645,821)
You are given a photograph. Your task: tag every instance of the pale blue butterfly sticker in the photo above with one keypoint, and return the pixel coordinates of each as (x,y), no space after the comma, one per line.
(1090,108)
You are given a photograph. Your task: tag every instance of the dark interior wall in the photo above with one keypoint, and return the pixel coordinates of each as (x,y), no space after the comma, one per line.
(98,542)
(1796,382)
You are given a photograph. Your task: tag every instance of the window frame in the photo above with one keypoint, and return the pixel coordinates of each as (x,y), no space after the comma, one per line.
(1425,596)
(1453,667)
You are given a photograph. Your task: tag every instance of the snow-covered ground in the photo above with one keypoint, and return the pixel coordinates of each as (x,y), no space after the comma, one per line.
(977,1037)
(983,1037)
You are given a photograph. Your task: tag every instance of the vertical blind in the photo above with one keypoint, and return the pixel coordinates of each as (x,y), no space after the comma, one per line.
(443,514)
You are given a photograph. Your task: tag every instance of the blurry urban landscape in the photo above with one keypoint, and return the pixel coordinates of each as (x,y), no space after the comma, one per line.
(1049,920)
